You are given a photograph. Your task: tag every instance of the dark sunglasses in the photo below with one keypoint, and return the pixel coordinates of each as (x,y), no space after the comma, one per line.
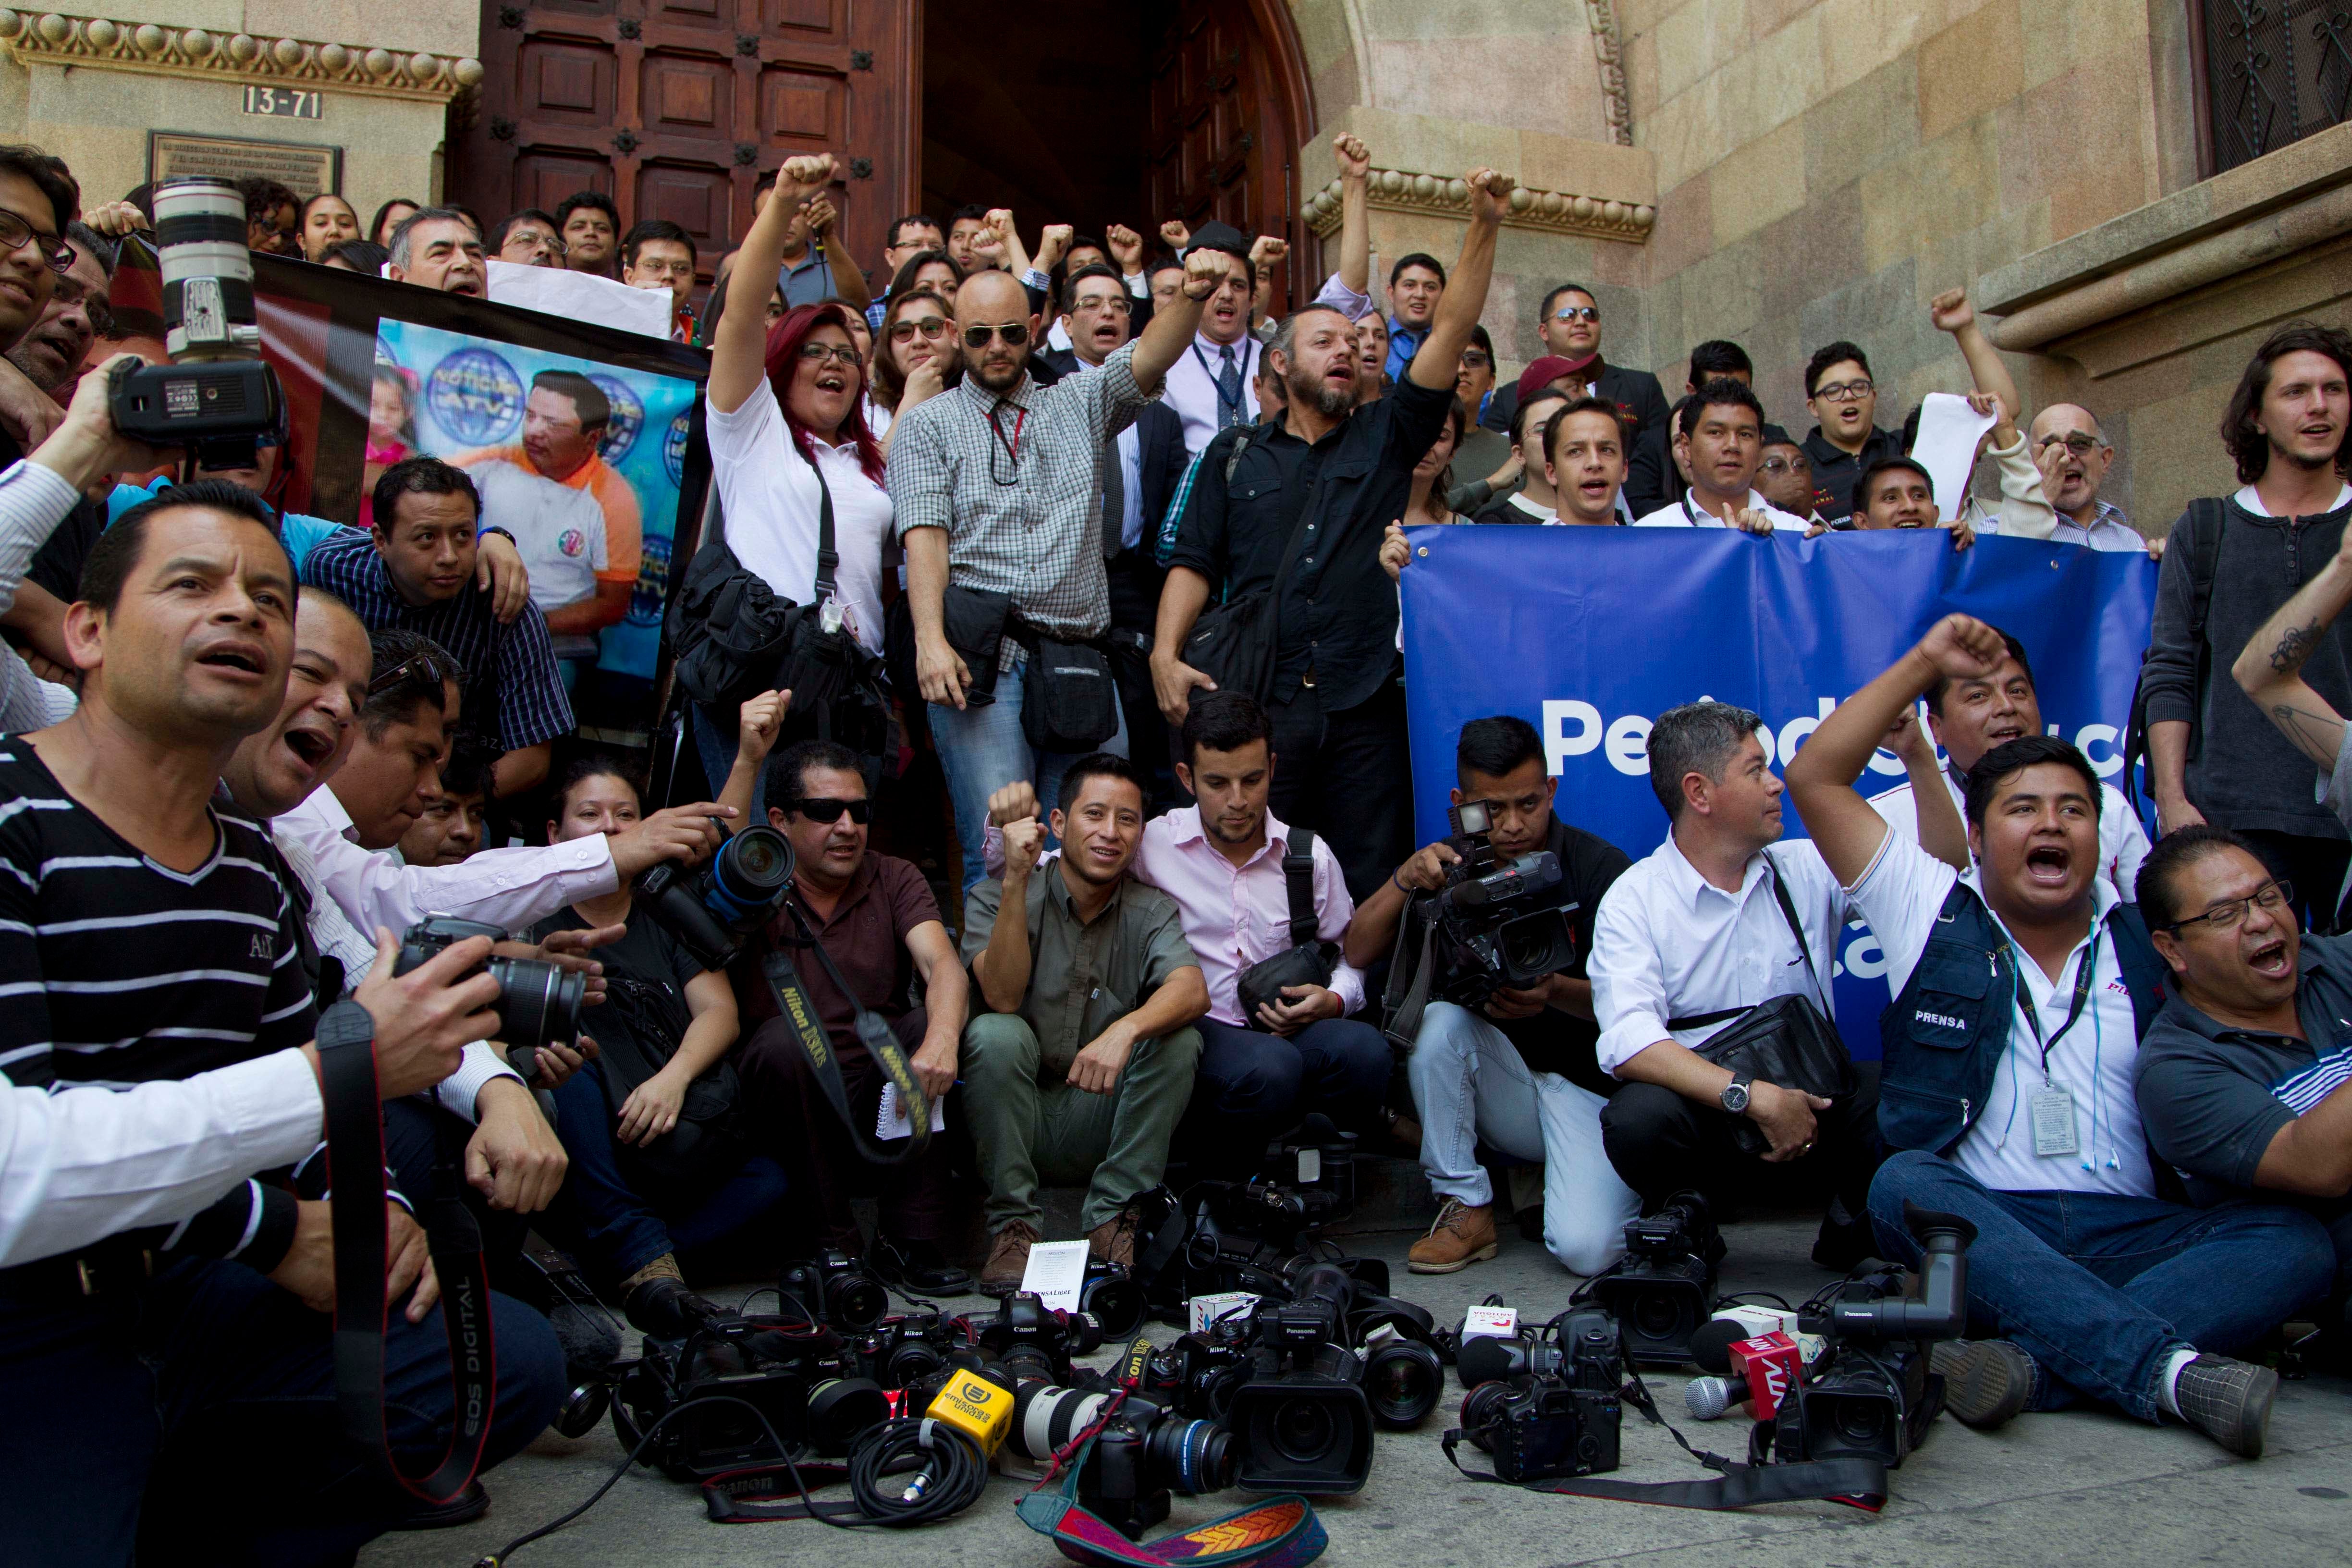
(1014,334)
(417,666)
(825,809)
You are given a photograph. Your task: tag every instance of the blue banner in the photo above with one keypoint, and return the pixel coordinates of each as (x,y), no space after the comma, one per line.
(1589,633)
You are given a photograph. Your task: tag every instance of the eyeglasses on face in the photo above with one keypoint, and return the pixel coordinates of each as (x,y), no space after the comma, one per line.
(932,328)
(818,354)
(1118,302)
(417,667)
(2230,913)
(535,239)
(1577,313)
(828,810)
(1844,391)
(2074,441)
(1787,466)
(1477,359)
(1014,334)
(56,254)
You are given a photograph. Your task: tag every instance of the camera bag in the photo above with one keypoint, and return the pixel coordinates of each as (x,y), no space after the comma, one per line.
(1306,961)
(1788,1041)
(1236,644)
(1069,702)
(708,1143)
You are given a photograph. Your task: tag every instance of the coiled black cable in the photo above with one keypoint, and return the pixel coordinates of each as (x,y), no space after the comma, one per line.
(943,1469)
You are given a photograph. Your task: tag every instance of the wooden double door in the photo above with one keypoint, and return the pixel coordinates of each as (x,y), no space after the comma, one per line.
(1223,135)
(673,107)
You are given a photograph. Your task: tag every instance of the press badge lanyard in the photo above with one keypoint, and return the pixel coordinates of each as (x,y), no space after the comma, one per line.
(1239,405)
(2053,1108)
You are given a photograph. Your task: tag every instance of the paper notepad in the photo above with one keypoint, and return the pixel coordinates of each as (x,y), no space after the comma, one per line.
(1056,1274)
(890,1120)
(1947,448)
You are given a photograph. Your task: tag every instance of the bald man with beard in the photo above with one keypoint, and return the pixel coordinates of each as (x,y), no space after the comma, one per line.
(2073,455)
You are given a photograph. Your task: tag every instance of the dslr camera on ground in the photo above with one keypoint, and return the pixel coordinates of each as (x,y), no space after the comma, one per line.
(1147,1451)
(798,1380)
(1546,1408)
(1499,924)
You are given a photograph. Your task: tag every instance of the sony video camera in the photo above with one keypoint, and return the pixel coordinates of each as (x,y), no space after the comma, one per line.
(713,911)
(1871,1394)
(216,398)
(834,1290)
(1559,1417)
(1498,925)
(538,1002)
(1146,1450)
(1664,1288)
(726,1377)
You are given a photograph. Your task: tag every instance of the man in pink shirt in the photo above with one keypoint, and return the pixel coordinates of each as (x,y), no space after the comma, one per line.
(1222,860)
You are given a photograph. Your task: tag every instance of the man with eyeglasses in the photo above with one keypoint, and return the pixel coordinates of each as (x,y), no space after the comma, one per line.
(1570,326)
(2007,1089)
(1846,439)
(528,239)
(910,238)
(2073,454)
(658,254)
(998,489)
(1143,466)
(2245,1077)
(1784,476)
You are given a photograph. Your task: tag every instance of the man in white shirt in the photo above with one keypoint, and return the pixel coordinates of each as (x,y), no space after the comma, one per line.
(1210,387)
(1970,718)
(1722,427)
(2075,454)
(561,533)
(2008,1091)
(1711,924)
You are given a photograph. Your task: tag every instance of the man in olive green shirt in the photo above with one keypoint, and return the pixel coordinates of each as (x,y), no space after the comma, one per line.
(1077,1062)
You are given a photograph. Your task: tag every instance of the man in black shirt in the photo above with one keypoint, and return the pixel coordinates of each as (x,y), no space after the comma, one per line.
(1332,479)
(186,1370)
(1520,1074)
(1844,399)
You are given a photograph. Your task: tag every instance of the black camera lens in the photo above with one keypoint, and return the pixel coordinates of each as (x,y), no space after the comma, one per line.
(1403,1380)
(855,1302)
(910,1362)
(1480,1407)
(539,1003)
(841,1410)
(747,874)
(1302,1430)
(1195,1457)
(1116,1302)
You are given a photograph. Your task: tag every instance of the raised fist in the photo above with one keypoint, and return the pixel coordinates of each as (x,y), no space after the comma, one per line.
(1489,192)
(1963,648)
(808,171)
(1203,271)
(1126,247)
(1355,158)
(1025,841)
(1174,235)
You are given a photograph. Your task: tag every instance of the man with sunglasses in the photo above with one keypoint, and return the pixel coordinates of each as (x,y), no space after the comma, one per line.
(998,490)
(2006,1091)
(877,920)
(1570,326)
(2245,1077)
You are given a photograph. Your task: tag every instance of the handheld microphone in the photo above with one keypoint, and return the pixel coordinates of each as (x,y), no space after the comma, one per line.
(1710,1397)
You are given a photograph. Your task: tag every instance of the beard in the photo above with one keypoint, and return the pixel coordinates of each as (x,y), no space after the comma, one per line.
(998,381)
(1328,401)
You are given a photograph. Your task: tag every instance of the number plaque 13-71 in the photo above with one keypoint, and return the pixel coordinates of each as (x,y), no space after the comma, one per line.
(287,102)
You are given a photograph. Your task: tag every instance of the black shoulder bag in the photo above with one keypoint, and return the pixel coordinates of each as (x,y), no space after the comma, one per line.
(1236,644)
(708,1143)
(1787,1041)
(1306,961)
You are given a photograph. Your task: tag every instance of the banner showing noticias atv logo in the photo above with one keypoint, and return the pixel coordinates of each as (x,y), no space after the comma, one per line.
(1589,633)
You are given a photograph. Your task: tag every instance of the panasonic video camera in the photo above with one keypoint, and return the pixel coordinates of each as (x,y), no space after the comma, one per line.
(1872,1395)
(1499,924)
(1664,1288)
(747,1390)
(1561,1416)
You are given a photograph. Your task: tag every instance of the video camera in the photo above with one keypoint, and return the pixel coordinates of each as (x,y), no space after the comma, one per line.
(1242,1235)
(799,1377)
(216,398)
(1558,1413)
(713,911)
(538,1002)
(1664,1288)
(1498,925)
(1871,1395)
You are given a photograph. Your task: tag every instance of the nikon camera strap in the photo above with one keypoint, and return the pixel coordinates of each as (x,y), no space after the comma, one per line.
(1856,1482)
(801,1015)
(356,1194)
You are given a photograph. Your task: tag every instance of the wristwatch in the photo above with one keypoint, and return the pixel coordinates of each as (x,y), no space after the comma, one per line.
(1734,1096)
(345,1024)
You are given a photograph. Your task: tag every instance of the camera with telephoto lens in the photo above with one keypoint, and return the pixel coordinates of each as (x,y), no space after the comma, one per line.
(799,1377)
(1564,1420)
(1501,923)
(538,1002)
(834,1290)
(1146,1450)
(1029,1339)
(1871,1394)
(216,397)
(713,912)
(1664,1288)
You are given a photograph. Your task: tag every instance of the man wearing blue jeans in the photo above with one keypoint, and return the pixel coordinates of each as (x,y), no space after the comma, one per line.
(2007,1089)
(998,491)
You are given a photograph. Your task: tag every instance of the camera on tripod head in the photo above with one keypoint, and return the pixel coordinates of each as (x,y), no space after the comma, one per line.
(834,1290)
(1499,924)
(797,1376)
(1871,1394)
(1664,1288)
(216,398)
(1558,1414)
(714,912)
(538,1002)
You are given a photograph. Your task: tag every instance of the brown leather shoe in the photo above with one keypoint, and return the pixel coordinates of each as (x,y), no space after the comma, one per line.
(1114,1239)
(1008,1258)
(1462,1235)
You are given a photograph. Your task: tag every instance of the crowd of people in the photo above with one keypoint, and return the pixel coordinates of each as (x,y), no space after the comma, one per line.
(1028,495)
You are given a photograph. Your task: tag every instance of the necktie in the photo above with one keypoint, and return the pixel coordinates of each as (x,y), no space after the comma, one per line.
(1114,517)
(1229,391)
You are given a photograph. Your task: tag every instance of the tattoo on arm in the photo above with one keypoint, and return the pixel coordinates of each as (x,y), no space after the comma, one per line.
(2319,736)
(2294,646)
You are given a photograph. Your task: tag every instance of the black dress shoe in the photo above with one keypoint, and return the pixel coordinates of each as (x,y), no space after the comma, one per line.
(1840,1247)
(664,1308)
(916,1269)
(464,1508)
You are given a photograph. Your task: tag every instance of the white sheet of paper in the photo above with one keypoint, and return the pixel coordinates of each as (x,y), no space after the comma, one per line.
(891,1118)
(1947,448)
(1056,1274)
(580,297)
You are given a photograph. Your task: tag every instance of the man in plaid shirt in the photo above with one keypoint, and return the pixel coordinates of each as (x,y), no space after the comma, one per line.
(999,488)
(416,570)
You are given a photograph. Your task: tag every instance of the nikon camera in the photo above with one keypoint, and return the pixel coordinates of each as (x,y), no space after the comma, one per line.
(713,912)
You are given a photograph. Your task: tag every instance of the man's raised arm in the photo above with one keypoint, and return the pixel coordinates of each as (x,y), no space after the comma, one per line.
(1439,359)
(1171,328)
(2269,666)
